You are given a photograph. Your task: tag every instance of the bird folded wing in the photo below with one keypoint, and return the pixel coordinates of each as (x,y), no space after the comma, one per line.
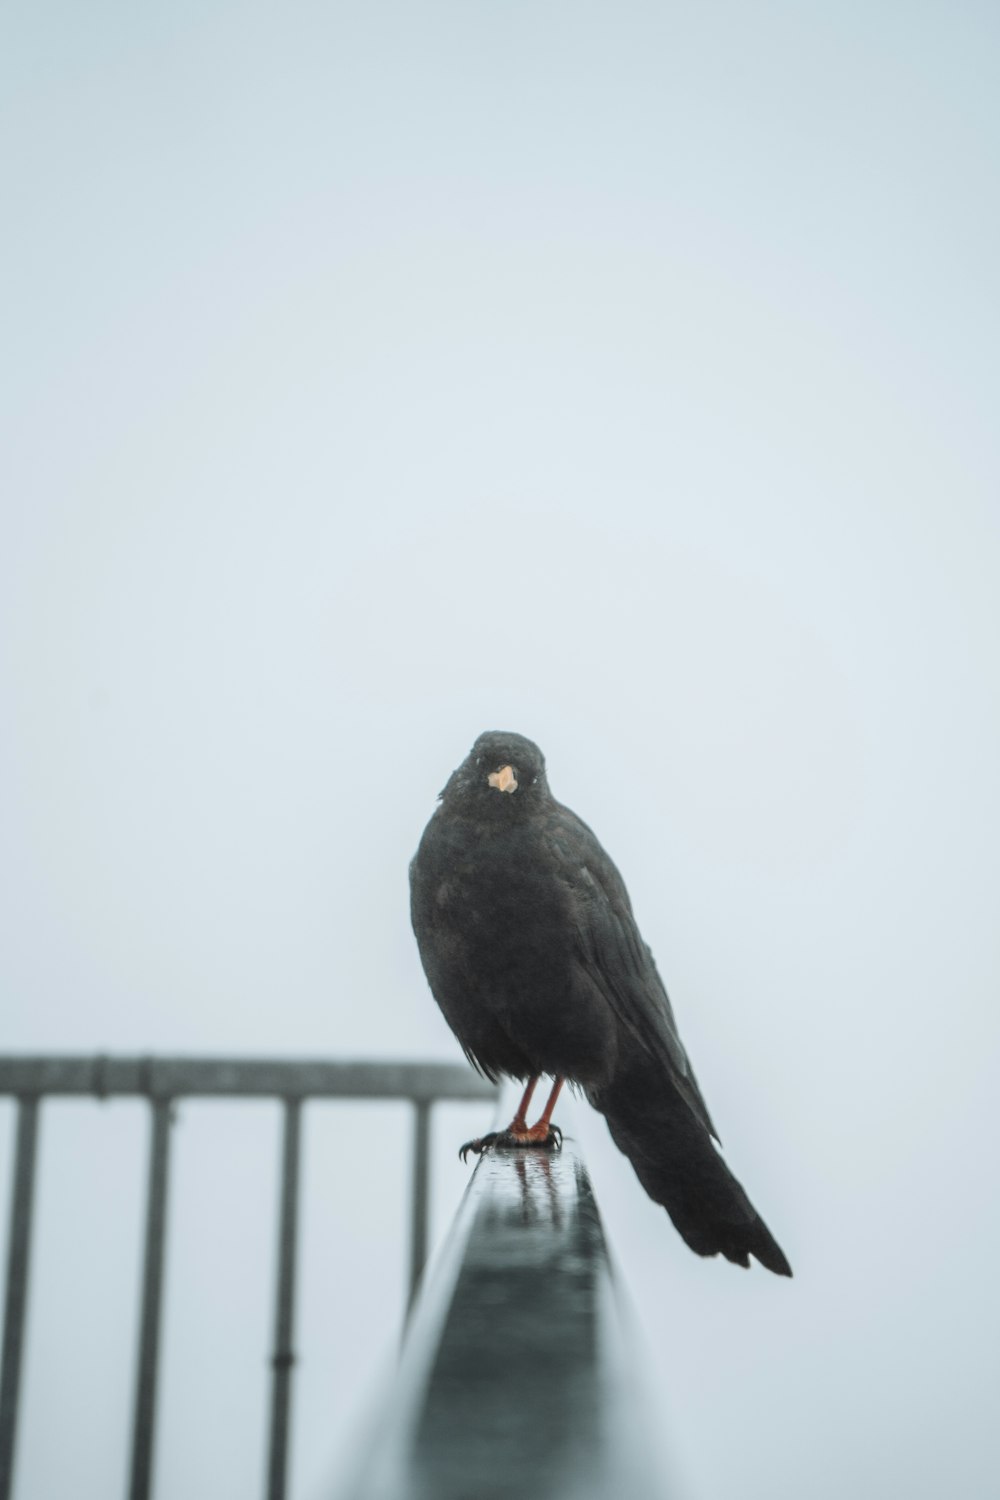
(618,962)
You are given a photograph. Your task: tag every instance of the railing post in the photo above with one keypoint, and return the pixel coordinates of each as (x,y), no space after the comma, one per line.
(18,1261)
(420,1191)
(152,1297)
(283,1357)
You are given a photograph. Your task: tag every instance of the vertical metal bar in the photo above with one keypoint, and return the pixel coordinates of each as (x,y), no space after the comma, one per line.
(284,1313)
(152,1297)
(18,1260)
(421,1182)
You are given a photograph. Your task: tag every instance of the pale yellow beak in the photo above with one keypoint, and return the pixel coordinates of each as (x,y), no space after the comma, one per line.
(504,780)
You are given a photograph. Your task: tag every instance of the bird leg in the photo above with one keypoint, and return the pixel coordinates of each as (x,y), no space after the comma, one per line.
(544,1128)
(519,1124)
(519,1133)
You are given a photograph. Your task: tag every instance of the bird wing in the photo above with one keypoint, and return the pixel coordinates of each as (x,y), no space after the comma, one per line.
(617,960)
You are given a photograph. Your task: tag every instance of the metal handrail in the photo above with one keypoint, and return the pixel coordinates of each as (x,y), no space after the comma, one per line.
(106,1077)
(164,1080)
(516,1376)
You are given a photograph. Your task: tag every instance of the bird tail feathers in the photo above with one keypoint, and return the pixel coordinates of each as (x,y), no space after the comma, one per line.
(680,1167)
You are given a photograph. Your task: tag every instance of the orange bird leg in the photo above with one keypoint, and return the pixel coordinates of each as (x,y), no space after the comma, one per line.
(518,1132)
(519,1124)
(543,1129)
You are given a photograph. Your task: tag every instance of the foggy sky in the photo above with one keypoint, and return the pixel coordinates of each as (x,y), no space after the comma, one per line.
(625,376)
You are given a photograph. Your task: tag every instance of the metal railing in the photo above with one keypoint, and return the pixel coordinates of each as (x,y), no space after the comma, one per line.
(163,1081)
(517,1376)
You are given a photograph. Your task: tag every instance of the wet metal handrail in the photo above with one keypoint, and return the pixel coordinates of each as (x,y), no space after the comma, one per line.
(164,1080)
(516,1377)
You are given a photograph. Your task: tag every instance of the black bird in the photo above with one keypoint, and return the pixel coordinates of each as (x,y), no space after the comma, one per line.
(528,941)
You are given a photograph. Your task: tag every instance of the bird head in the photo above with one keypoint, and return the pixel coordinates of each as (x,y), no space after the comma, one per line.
(501,771)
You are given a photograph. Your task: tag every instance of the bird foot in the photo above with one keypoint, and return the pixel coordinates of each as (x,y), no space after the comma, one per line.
(540,1137)
(479,1145)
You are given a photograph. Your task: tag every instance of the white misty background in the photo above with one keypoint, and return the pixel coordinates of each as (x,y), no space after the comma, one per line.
(625,376)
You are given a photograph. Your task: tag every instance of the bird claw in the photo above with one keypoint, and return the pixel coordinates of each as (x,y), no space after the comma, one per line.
(479,1145)
(509,1140)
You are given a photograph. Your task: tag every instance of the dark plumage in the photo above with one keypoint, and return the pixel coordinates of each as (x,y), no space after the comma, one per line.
(530,947)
